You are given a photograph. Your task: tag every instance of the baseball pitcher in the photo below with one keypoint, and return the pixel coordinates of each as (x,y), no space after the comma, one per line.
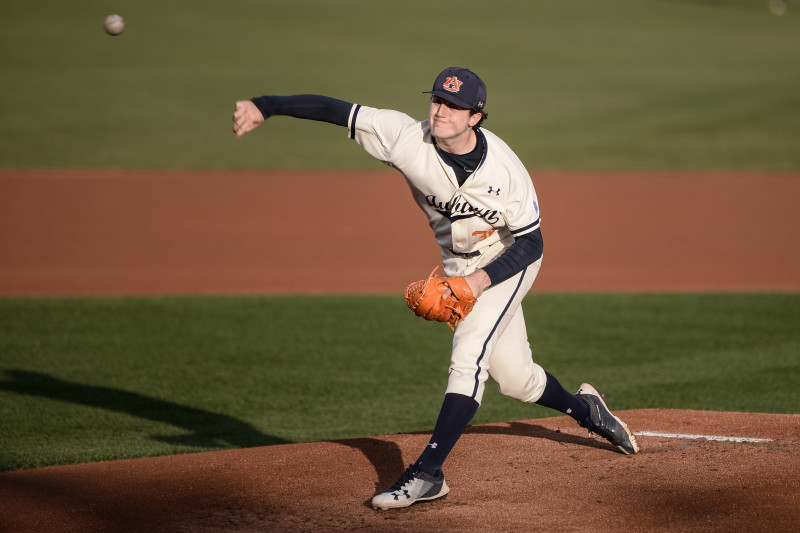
(481,204)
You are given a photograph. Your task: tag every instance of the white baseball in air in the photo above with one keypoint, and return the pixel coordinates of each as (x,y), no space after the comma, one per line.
(114,24)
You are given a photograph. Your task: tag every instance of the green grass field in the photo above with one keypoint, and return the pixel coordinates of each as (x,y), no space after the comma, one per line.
(86,379)
(621,84)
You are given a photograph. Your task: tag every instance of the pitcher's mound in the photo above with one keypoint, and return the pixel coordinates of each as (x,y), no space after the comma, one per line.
(697,471)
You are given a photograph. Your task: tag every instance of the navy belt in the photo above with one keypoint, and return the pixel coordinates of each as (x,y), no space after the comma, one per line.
(476,253)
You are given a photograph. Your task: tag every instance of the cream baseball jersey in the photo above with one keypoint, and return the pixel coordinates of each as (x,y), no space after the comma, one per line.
(496,202)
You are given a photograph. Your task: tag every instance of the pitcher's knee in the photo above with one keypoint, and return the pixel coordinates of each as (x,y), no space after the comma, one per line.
(526,387)
(518,392)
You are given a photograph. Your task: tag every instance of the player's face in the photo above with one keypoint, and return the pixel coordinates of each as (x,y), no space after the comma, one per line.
(450,123)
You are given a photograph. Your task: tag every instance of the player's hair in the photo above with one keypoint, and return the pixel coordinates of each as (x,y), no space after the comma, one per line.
(484,116)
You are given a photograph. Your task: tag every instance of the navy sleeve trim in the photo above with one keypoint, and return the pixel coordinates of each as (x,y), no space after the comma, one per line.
(352,124)
(307,106)
(526,228)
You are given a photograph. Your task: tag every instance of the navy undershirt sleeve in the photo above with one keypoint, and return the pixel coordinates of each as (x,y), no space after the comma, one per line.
(308,106)
(525,250)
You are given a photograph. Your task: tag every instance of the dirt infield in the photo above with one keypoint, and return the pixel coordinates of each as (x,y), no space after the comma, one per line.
(537,475)
(100,232)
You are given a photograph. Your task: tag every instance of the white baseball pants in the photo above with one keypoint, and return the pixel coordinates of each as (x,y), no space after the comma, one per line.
(493,341)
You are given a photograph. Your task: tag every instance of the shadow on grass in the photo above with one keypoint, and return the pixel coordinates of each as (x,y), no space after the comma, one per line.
(206,429)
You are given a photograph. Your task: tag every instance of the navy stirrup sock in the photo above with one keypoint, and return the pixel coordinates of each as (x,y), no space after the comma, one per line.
(556,397)
(457,410)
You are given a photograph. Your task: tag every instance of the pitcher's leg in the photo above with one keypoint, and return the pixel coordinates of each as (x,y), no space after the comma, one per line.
(512,368)
(476,337)
(519,377)
(456,412)
(473,344)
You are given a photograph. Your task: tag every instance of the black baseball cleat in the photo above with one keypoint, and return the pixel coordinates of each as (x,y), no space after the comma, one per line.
(412,487)
(603,422)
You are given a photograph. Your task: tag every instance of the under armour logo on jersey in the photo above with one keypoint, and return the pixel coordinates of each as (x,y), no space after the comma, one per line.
(493,190)
(452,84)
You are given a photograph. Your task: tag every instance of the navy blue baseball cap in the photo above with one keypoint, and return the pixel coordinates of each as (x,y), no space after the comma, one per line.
(460,86)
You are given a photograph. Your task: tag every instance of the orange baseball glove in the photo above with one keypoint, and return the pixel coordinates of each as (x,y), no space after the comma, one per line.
(426,299)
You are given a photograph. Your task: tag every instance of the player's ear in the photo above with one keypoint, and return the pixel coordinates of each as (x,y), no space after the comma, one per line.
(475,118)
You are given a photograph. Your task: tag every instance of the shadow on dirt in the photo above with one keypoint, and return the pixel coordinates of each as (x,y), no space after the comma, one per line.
(387,457)
(526,429)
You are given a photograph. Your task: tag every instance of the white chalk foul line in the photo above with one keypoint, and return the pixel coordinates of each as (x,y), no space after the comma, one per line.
(707,437)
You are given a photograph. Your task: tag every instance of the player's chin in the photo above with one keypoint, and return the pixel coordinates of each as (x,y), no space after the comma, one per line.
(442,132)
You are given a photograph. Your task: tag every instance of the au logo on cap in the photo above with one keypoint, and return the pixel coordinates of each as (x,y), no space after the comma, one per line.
(452,84)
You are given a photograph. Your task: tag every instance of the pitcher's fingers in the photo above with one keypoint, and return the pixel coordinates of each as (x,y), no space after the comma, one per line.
(240,109)
(244,128)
